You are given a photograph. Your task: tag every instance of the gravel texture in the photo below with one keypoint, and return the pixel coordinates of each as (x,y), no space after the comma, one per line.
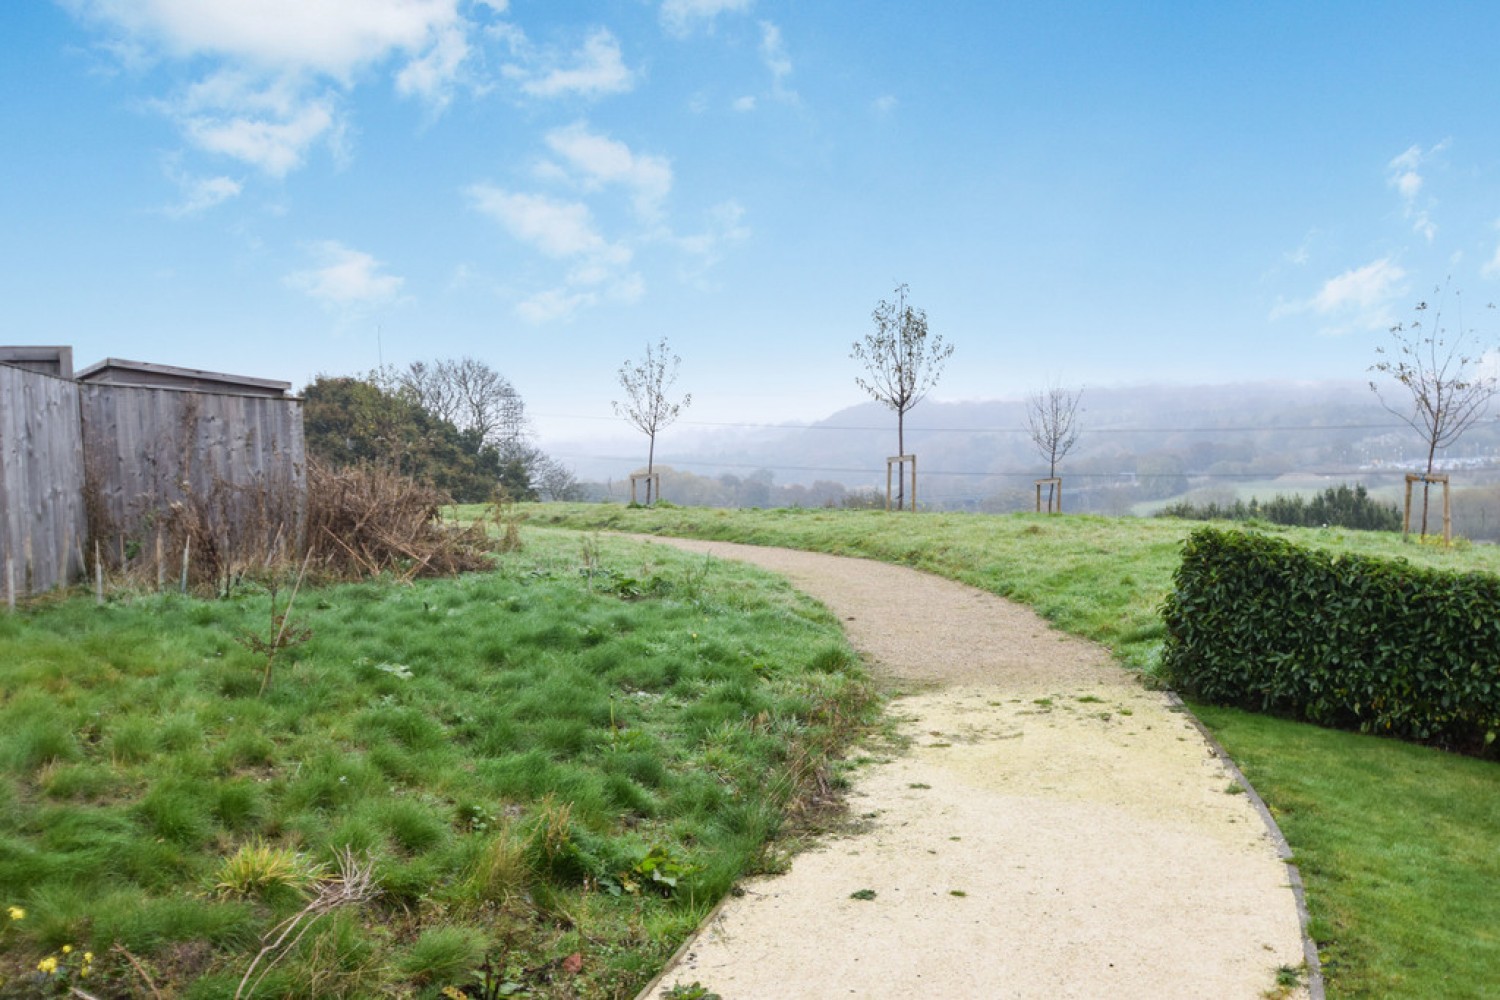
(1052,830)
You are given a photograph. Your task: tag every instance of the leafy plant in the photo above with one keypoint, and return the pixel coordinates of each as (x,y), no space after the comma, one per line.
(692,991)
(1378,646)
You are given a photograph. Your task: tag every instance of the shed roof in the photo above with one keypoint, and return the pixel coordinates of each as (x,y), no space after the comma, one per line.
(118,371)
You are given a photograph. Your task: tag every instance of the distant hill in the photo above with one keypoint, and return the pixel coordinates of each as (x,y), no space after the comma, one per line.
(1137,444)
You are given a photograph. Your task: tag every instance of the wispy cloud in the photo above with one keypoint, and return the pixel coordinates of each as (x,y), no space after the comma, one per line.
(1358,299)
(553,305)
(343,277)
(556,228)
(199,194)
(597,160)
(274,145)
(884,105)
(597,68)
(1404,174)
(774,55)
(725,226)
(274,67)
(681,17)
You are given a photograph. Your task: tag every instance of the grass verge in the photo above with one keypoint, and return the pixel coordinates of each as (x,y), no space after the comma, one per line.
(1397,844)
(549,772)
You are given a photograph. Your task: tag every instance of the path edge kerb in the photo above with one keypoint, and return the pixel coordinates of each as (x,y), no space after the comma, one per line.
(1315,989)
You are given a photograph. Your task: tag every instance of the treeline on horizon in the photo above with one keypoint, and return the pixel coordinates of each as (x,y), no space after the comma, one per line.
(1336,507)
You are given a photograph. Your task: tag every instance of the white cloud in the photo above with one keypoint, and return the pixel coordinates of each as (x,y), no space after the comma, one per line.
(1404,174)
(774,55)
(725,227)
(345,277)
(556,228)
(1360,288)
(681,16)
(431,77)
(884,104)
(598,68)
(1358,299)
(276,147)
(199,194)
(553,305)
(743,104)
(602,160)
(275,66)
(773,51)
(329,37)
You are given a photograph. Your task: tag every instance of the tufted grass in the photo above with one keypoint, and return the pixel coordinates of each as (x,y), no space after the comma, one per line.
(502,747)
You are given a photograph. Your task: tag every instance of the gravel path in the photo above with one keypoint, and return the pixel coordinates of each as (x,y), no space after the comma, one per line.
(1054,830)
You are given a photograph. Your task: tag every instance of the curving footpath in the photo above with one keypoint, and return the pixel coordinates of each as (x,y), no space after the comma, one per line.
(1053,830)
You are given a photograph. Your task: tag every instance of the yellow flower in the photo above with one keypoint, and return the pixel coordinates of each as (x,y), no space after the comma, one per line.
(16,913)
(47,965)
(67,949)
(88,956)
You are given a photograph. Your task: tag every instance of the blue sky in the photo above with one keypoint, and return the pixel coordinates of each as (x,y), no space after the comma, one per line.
(1084,193)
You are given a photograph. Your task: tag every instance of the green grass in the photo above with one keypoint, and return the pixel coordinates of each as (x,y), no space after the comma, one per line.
(1101,578)
(1399,846)
(505,748)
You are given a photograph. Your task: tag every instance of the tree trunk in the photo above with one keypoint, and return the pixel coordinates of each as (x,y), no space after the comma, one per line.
(1426,486)
(901,466)
(650,466)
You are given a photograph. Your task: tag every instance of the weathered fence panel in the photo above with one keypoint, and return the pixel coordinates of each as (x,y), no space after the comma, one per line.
(42,517)
(229,471)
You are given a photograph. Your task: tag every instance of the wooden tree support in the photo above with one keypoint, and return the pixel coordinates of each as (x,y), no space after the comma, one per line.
(1427,479)
(1054,493)
(899,462)
(653,486)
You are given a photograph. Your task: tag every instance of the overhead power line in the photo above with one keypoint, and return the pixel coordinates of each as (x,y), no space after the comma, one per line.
(1229,429)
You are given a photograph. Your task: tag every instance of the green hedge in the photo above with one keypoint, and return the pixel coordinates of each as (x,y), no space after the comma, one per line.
(1338,640)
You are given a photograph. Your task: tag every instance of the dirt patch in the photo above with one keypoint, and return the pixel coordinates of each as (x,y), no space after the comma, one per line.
(1054,830)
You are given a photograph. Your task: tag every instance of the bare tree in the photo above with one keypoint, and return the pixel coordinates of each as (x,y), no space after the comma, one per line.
(647,406)
(1446,390)
(901,364)
(471,395)
(1052,420)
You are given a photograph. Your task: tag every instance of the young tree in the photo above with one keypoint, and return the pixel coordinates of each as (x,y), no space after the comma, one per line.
(1444,386)
(901,364)
(647,406)
(1052,420)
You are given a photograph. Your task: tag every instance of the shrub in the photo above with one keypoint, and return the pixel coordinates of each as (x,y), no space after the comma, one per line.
(1341,641)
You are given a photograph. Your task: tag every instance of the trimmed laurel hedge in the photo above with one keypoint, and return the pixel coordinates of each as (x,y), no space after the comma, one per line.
(1342,641)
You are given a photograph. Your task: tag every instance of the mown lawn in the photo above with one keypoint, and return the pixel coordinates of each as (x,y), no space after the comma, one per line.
(1399,845)
(550,771)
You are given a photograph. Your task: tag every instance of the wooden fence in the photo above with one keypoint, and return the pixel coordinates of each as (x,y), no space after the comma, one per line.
(127,472)
(42,519)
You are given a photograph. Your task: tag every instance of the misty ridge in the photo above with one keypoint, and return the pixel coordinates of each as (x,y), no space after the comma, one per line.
(1139,448)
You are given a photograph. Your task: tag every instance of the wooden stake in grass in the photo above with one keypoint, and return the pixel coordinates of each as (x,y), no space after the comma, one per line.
(98,576)
(187,549)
